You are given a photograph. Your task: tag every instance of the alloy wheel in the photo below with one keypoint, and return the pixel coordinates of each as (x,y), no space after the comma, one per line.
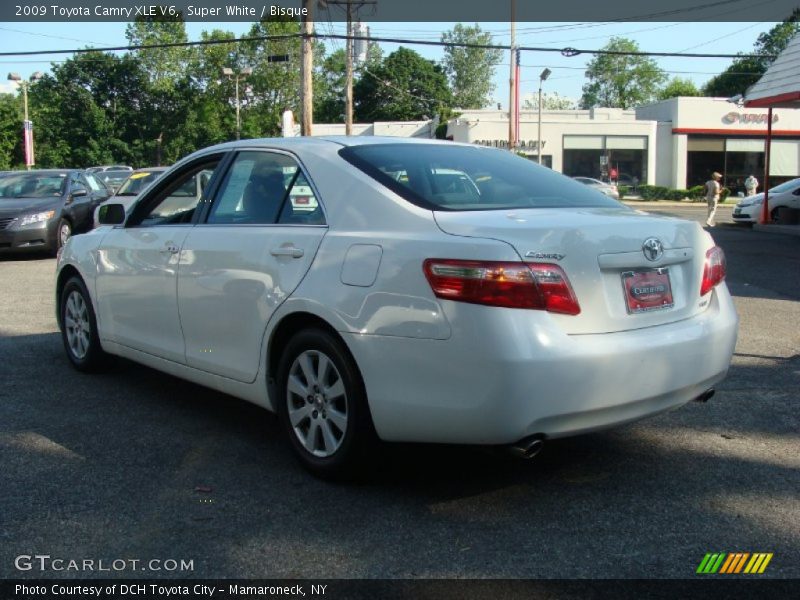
(317,403)
(77,326)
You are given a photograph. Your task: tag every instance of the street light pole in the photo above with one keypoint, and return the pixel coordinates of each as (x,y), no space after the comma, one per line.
(228,72)
(27,126)
(542,78)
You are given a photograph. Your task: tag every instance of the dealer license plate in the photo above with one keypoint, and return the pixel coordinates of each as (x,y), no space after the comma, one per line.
(647,290)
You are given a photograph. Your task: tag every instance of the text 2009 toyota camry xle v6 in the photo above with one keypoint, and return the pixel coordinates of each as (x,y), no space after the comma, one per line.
(434,292)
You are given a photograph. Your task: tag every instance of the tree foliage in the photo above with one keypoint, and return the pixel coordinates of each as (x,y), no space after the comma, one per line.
(404,87)
(620,80)
(677,87)
(10,131)
(550,101)
(747,70)
(470,70)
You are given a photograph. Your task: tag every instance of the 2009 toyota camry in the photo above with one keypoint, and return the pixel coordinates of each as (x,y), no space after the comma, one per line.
(419,291)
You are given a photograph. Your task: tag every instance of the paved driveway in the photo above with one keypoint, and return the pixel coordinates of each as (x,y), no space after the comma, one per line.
(138,465)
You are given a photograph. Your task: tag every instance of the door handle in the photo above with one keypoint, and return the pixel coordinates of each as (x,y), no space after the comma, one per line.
(287,251)
(170,248)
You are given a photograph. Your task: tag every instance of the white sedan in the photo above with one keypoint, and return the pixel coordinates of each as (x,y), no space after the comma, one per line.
(399,309)
(786,194)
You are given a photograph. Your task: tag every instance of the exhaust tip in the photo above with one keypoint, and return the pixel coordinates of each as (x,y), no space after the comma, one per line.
(527,447)
(706,396)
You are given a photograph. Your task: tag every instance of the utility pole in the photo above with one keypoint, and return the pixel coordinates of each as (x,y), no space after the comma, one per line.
(511,84)
(308,69)
(348,94)
(348,98)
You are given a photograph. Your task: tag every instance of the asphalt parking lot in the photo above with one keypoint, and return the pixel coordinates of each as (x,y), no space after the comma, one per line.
(135,464)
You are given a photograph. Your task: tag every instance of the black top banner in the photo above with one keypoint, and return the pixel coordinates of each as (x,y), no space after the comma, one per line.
(401,10)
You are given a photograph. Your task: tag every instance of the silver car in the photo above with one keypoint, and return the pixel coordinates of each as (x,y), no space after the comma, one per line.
(608,189)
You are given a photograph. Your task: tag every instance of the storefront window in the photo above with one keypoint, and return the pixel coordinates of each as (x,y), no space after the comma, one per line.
(600,157)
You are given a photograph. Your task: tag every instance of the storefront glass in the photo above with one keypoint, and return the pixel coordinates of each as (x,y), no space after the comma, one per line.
(600,157)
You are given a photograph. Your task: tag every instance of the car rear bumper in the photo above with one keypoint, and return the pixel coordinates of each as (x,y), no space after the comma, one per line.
(500,383)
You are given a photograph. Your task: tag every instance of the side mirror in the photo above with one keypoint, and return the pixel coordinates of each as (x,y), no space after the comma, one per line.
(76,193)
(111,214)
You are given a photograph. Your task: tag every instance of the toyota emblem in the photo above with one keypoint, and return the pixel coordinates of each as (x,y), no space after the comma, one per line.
(653,249)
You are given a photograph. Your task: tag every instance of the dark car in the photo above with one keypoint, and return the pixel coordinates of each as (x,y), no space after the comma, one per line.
(40,210)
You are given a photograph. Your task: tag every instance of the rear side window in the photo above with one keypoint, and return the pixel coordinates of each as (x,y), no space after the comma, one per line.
(459,178)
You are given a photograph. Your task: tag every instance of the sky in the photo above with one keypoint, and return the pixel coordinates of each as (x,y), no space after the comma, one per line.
(567,73)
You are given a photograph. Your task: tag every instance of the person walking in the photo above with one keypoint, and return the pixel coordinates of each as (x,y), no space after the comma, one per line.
(713,190)
(750,186)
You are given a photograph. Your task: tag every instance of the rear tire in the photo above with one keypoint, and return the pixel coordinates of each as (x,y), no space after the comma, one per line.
(79,328)
(774,215)
(322,406)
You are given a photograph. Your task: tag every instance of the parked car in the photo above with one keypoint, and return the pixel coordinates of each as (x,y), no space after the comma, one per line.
(608,189)
(113,178)
(41,209)
(786,194)
(109,168)
(536,309)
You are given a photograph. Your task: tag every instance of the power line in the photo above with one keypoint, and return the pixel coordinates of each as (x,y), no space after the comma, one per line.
(569,52)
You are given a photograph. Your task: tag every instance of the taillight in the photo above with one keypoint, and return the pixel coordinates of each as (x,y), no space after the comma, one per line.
(714,269)
(538,286)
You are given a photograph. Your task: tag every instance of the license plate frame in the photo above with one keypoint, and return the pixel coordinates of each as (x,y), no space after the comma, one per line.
(647,290)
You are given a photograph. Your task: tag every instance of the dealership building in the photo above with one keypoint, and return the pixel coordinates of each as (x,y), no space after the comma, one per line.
(675,143)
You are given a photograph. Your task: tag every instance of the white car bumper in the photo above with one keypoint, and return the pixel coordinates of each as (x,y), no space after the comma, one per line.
(514,376)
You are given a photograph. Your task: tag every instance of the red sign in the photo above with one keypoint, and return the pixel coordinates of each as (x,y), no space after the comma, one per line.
(647,290)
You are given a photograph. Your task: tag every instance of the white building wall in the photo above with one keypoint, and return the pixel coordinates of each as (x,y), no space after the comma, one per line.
(663,156)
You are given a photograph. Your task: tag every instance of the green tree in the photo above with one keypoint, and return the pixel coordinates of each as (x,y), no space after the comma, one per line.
(747,70)
(549,102)
(678,86)
(10,131)
(330,80)
(71,129)
(404,87)
(166,66)
(470,70)
(620,80)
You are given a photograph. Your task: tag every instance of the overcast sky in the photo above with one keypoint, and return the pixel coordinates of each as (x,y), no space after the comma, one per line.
(568,73)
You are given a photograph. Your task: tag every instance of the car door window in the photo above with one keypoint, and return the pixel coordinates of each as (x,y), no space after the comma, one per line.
(302,207)
(254,189)
(177,199)
(92,183)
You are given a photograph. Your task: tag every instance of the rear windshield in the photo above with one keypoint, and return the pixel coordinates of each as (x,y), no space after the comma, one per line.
(460,178)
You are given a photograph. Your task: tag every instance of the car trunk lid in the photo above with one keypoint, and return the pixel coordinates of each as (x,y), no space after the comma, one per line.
(611,257)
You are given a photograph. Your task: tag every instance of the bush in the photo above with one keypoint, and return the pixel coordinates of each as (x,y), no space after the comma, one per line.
(697,193)
(652,192)
(623,190)
(676,194)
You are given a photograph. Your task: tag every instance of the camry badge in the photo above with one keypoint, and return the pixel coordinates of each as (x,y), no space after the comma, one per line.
(545,255)
(653,249)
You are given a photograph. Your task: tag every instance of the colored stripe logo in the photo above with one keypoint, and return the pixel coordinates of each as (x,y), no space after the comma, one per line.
(729,563)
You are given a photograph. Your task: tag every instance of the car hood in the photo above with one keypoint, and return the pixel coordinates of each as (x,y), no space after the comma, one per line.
(752,199)
(11,207)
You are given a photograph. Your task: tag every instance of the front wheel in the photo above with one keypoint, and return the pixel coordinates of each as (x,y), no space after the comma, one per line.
(322,405)
(79,328)
(63,233)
